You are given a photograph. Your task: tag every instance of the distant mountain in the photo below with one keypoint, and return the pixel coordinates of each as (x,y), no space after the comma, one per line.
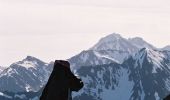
(144,76)
(115,68)
(109,49)
(30,74)
(114,42)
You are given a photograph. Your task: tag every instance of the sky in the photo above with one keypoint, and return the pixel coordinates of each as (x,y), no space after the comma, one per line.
(60,29)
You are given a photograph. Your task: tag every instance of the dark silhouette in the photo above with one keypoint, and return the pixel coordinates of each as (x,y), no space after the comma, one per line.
(167,98)
(61,83)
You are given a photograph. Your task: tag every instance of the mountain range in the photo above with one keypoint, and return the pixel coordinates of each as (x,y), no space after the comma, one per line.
(115,68)
(112,48)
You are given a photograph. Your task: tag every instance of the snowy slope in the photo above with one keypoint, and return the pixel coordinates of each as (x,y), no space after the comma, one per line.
(150,71)
(30,74)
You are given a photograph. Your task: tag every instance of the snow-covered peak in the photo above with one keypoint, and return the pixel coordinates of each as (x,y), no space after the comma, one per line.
(114,42)
(31,58)
(29,62)
(166,48)
(140,43)
(29,74)
(111,37)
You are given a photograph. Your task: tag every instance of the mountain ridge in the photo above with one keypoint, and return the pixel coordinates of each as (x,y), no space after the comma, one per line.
(105,70)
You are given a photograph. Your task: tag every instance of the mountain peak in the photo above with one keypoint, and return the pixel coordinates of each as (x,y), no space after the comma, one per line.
(111,37)
(114,41)
(28,62)
(30,58)
(114,35)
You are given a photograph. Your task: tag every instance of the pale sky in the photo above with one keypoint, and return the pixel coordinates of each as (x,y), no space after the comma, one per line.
(59,29)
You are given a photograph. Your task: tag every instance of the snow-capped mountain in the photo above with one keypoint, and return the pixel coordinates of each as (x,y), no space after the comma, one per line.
(114,69)
(112,48)
(144,76)
(114,42)
(30,74)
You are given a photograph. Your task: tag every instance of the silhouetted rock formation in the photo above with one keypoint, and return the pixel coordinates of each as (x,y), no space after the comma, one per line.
(167,98)
(61,83)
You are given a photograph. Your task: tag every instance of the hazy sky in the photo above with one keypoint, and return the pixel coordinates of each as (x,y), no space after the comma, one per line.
(59,29)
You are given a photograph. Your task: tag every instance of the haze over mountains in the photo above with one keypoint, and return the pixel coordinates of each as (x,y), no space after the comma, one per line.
(113,69)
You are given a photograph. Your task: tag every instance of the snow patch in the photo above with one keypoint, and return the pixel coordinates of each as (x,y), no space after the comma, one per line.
(28,64)
(28,87)
(105,56)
